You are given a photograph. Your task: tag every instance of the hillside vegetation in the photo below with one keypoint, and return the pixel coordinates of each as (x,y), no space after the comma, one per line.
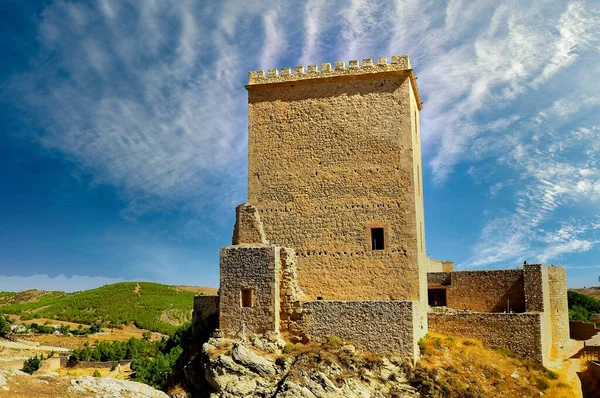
(582,307)
(150,306)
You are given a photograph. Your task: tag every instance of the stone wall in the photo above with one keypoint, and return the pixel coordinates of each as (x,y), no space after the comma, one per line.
(559,307)
(482,291)
(376,326)
(521,333)
(580,330)
(332,155)
(255,267)
(537,298)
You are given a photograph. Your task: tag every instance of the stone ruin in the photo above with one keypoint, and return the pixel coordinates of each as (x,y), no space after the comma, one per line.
(332,238)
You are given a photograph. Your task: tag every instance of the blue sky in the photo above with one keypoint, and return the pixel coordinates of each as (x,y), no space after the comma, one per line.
(124,126)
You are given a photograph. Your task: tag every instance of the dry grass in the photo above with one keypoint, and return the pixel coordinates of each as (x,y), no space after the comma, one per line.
(207,291)
(593,292)
(453,367)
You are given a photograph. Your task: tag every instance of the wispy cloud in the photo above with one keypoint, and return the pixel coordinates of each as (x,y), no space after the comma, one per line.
(147,96)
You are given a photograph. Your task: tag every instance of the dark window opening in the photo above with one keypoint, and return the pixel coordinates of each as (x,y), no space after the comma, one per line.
(377,239)
(247,298)
(436,297)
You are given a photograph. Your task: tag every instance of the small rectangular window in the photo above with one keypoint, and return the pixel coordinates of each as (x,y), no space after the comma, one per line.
(377,239)
(247,298)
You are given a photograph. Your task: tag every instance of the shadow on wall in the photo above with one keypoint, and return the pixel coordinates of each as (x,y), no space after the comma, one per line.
(513,300)
(579,330)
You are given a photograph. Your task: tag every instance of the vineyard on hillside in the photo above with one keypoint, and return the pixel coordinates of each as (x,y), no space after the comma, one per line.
(150,306)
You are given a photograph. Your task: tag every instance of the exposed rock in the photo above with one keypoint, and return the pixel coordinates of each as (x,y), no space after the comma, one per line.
(112,388)
(235,370)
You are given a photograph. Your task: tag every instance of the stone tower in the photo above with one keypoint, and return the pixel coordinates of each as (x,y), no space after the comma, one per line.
(335,173)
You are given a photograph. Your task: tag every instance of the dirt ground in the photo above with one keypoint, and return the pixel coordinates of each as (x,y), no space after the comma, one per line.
(567,364)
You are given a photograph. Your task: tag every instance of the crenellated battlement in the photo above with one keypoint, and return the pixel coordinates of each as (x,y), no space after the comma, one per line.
(399,63)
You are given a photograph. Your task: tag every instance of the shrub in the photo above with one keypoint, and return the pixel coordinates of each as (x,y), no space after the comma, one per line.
(542,384)
(32,364)
(96,373)
(422,347)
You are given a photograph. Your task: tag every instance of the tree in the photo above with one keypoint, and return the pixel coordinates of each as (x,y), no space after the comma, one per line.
(4,326)
(32,364)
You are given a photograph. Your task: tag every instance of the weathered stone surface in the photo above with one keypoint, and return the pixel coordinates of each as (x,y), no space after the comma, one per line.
(328,160)
(377,326)
(255,363)
(299,377)
(521,333)
(255,267)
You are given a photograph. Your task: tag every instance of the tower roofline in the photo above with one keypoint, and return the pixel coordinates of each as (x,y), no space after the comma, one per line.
(400,65)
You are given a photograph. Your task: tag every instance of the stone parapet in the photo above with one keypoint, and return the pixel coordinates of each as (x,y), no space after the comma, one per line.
(399,64)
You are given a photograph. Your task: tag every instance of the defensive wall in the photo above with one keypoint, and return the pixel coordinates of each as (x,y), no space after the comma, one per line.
(376,326)
(488,302)
(521,333)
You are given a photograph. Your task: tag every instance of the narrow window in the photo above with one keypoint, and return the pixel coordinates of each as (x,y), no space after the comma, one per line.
(247,298)
(377,239)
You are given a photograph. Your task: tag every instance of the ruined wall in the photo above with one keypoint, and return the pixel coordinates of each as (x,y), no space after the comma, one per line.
(483,291)
(376,326)
(559,308)
(248,227)
(290,294)
(254,267)
(521,333)
(330,156)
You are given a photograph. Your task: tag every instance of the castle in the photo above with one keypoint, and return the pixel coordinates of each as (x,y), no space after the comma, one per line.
(332,238)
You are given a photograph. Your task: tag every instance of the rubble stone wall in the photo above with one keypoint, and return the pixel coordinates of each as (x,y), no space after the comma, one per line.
(521,333)
(254,267)
(376,326)
(330,158)
(483,291)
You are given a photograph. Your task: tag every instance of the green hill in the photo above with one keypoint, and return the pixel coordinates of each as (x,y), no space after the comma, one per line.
(150,306)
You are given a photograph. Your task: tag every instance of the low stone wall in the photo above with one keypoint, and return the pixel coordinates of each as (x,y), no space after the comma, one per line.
(579,330)
(521,333)
(376,326)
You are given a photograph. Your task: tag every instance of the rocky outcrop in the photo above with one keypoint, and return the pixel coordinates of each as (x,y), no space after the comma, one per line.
(236,369)
(19,384)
